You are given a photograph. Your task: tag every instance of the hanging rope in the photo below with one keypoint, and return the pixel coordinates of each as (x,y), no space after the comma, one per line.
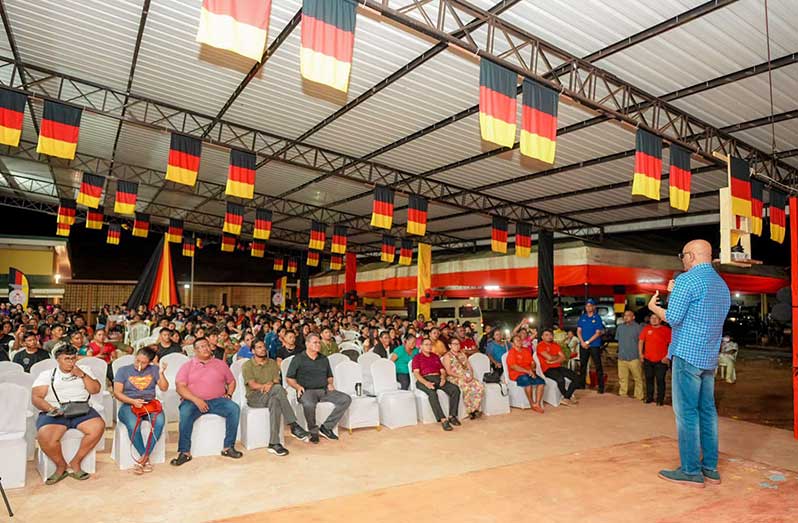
(770,82)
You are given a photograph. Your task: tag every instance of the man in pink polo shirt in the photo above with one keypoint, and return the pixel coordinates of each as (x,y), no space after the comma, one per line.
(206,386)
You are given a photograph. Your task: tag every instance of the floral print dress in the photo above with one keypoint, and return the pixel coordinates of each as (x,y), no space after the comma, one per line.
(471,388)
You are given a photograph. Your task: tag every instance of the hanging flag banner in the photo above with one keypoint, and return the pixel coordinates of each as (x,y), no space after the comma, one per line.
(523,240)
(318,236)
(59,130)
(498,235)
(12,114)
(648,165)
(679,177)
(67,209)
(18,288)
(94,218)
(756,207)
(263,224)
(406,252)
(279,264)
(778,216)
(175,231)
(740,186)
(184,159)
(539,106)
(292,265)
(339,239)
(382,209)
(62,229)
(313,258)
(258,248)
(417,215)
(240,26)
(241,174)
(497,103)
(114,234)
(126,195)
(336,262)
(188,246)
(233,218)
(141,225)
(91,190)
(156,284)
(228,243)
(388,249)
(328,40)
(424,279)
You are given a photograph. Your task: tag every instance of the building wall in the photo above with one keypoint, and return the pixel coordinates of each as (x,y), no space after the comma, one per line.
(29,261)
(91,296)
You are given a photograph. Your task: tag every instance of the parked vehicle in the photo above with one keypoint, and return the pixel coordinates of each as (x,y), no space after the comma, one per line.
(572,311)
(459,311)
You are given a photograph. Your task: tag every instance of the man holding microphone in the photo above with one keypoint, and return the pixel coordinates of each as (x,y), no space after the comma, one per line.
(698,303)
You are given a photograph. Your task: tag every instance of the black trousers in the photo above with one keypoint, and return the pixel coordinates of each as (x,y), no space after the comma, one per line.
(559,374)
(404,381)
(451,390)
(655,371)
(595,353)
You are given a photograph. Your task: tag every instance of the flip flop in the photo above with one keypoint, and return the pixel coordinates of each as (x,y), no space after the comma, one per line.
(52,480)
(80,475)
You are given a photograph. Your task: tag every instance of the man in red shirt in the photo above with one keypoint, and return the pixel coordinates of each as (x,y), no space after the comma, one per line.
(100,348)
(551,357)
(653,347)
(466,342)
(431,377)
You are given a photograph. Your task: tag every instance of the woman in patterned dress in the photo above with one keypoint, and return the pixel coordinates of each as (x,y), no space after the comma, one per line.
(459,372)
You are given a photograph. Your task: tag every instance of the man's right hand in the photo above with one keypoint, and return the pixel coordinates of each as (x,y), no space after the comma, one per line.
(201,405)
(300,391)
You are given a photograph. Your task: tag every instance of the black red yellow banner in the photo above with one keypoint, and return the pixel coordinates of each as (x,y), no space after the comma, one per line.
(12,114)
(263,224)
(258,248)
(292,265)
(336,262)
(126,195)
(679,177)
(313,258)
(740,186)
(648,165)
(62,229)
(388,252)
(497,103)
(184,159)
(778,215)
(95,218)
(498,235)
(233,219)
(417,215)
(318,236)
(188,246)
(328,40)
(523,240)
(59,130)
(240,26)
(175,232)
(228,243)
(406,252)
(91,190)
(539,121)
(67,210)
(241,174)
(114,234)
(141,225)
(382,210)
(279,264)
(340,233)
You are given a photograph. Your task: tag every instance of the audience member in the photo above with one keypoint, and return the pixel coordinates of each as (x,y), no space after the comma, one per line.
(460,372)
(401,357)
(653,350)
(431,377)
(551,357)
(30,353)
(628,336)
(521,369)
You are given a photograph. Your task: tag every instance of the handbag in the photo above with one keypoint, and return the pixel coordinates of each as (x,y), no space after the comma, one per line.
(150,412)
(70,409)
(148,409)
(495,376)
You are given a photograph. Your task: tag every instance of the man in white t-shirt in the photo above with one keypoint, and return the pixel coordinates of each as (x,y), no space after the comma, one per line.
(52,389)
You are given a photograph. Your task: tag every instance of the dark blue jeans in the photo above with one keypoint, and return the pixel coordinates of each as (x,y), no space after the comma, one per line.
(696,418)
(128,419)
(189,413)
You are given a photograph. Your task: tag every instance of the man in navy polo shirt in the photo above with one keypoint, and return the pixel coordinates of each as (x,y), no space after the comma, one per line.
(589,330)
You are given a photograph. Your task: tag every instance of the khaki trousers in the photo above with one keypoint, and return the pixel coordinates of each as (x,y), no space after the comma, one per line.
(635,368)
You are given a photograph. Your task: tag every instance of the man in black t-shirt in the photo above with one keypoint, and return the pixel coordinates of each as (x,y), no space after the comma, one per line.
(165,345)
(5,337)
(32,353)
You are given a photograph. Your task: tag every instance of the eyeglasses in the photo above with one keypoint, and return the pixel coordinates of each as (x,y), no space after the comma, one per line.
(681,255)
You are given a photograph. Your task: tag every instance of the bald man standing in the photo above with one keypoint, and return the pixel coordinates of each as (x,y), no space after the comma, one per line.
(697,306)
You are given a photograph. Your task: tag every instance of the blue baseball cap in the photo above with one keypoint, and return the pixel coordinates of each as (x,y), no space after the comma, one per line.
(590,301)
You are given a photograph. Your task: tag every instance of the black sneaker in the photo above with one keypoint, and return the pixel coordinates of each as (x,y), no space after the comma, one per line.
(454,421)
(232,453)
(447,427)
(327,433)
(278,449)
(299,433)
(314,438)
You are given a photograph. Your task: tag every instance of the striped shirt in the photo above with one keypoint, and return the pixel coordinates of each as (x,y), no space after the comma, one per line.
(697,308)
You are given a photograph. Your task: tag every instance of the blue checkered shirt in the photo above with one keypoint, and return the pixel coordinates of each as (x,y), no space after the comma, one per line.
(697,308)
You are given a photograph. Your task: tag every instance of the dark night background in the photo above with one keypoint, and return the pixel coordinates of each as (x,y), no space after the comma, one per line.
(92,258)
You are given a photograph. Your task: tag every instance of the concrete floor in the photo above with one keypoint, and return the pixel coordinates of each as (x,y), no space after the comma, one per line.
(554,446)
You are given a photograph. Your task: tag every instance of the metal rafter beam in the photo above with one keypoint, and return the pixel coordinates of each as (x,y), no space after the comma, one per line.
(409,67)
(584,83)
(98,99)
(154,179)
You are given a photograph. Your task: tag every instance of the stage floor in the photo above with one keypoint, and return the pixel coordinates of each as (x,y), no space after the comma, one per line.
(594,462)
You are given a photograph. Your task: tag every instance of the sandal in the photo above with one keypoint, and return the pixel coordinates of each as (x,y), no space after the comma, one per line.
(138,469)
(55,478)
(80,475)
(147,467)
(181,459)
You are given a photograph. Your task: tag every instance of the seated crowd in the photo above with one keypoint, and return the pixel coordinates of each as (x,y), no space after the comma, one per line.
(433,356)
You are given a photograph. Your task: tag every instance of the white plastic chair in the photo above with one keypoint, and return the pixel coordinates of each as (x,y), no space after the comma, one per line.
(169,398)
(335,359)
(494,402)
(350,335)
(70,443)
(364,411)
(189,350)
(137,332)
(351,345)
(12,353)
(123,453)
(11,367)
(13,410)
(397,407)
(103,401)
(323,409)
(365,360)
(254,427)
(25,381)
(42,366)
(117,364)
(425,414)
(145,342)
(551,392)
(516,393)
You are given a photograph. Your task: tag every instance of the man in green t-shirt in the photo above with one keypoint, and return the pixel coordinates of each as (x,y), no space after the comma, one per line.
(328,344)
(262,379)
